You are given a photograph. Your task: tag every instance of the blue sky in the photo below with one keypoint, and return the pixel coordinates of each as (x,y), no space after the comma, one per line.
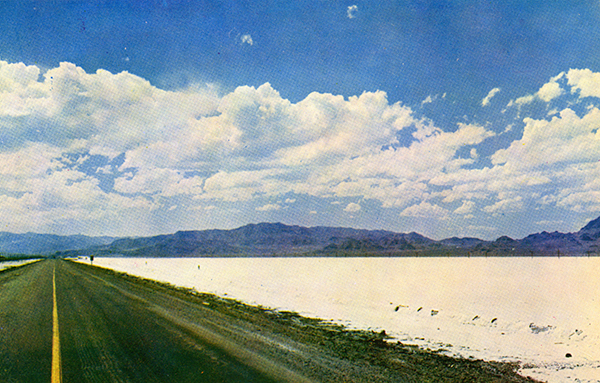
(464,118)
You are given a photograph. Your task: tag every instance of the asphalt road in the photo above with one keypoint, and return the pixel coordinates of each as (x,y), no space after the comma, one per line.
(26,324)
(111,330)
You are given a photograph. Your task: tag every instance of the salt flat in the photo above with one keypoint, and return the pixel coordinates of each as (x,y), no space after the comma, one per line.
(21,262)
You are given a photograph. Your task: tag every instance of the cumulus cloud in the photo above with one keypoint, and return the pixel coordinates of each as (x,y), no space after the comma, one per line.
(584,81)
(560,153)
(508,205)
(546,93)
(566,138)
(246,39)
(486,99)
(467,207)
(252,142)
(352,207)
(193,147)
(352,11)
(549,91)
(244,185)
(425,210)
(119,112)
(269,207)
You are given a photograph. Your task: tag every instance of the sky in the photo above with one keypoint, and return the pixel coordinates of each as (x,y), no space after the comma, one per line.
(447,118)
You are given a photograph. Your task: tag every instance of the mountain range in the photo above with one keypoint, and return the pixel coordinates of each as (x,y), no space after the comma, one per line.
(276,239)
(43,244)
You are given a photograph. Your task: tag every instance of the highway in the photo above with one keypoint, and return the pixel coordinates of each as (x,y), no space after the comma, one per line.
(111,330)
(62,321)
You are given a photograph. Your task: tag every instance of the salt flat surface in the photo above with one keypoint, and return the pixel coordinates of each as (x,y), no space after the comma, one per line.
(544,312)
(8,264)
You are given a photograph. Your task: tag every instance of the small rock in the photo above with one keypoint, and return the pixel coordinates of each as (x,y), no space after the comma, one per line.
(568,355)
(538,329)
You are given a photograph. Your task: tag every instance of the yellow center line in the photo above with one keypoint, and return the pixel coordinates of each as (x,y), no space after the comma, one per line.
(56,373)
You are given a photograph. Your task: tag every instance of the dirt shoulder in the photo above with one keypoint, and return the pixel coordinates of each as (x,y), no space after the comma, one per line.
(317,350)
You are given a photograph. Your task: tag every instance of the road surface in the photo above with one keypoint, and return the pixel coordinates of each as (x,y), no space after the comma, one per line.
(110,330)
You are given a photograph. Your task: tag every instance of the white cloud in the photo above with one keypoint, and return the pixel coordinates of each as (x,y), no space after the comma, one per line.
(509,205)
(324,127)
(486,99)
(167,182)
(565,138)
(253,145)
(269,207)
(546,93)
(467,207)
(585,81)
(33,160)
(581,201)
(70,198)
(425,210)
(550,91)
(352,11)
(246,39)
(244,185)
(352,207)
(118,111)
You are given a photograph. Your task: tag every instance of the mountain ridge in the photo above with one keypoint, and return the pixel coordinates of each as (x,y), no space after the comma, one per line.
(44,244)
(278,239)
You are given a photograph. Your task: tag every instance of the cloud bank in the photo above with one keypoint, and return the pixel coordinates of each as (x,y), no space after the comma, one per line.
(112,154)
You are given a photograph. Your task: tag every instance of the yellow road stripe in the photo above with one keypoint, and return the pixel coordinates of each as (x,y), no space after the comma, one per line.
(56,374)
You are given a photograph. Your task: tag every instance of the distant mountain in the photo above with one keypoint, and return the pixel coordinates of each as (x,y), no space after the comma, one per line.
(584,242)
(269,239)
(276,239)
(590,232)
(466,242)
(44,244)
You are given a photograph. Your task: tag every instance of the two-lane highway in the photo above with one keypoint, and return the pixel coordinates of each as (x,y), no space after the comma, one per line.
(109,331)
